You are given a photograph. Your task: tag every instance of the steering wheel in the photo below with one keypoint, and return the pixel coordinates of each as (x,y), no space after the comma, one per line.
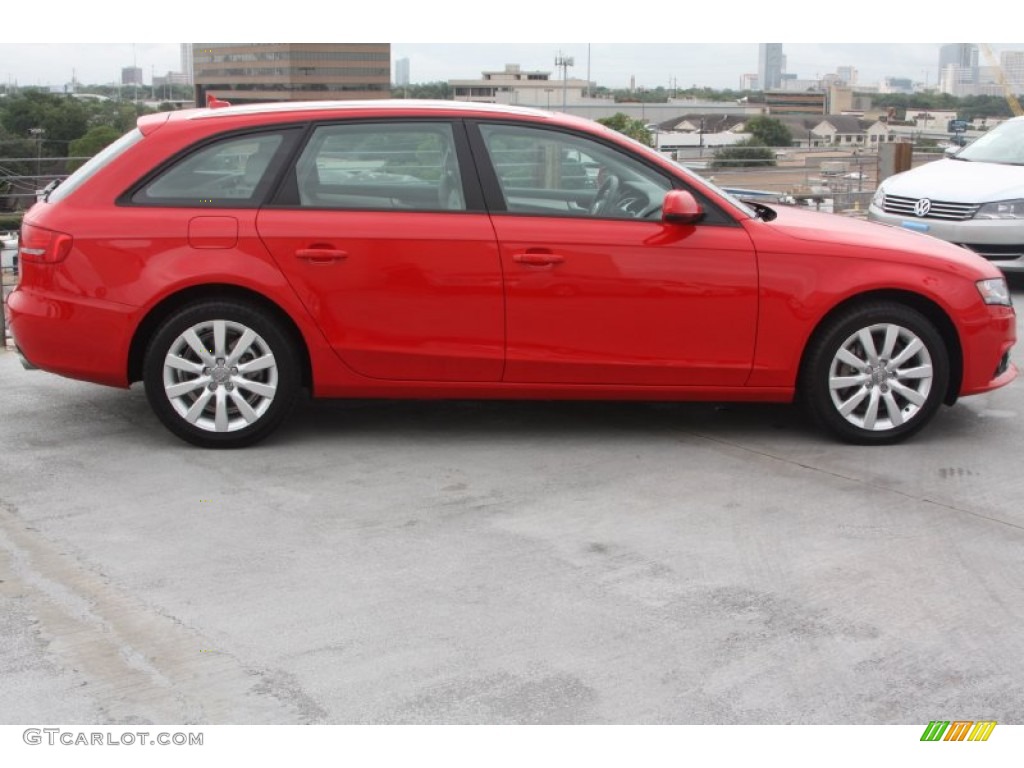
(605,196)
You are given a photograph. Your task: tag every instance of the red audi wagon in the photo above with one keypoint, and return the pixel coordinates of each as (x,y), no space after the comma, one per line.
(231,257)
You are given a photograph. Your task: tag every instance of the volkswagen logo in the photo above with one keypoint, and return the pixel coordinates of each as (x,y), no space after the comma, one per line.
(922,206)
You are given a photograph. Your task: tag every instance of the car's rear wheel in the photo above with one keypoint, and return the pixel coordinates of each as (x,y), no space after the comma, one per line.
(876,373)
(221,374)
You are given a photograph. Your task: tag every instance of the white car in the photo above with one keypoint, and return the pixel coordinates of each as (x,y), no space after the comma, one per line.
(974,198)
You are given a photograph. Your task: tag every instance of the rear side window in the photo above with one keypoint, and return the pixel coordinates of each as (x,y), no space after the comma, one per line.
(98,161)
(381,166)
(226,173)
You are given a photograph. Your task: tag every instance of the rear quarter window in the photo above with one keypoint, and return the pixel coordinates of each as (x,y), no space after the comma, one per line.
(93,165)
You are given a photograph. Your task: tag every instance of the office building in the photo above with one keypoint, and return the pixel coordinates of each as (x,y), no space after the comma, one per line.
(770,65)
(245,73)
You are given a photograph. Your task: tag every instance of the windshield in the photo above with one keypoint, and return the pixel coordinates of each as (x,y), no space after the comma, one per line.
(1003,144)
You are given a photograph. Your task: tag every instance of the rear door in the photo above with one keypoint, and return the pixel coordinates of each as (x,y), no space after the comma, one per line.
(380,228)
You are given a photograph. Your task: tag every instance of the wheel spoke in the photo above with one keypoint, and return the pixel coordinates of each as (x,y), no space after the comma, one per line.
(198,407)
(846,356)
(867,341)
(263,390)
(220,420)
(871,415)
(893,409)
(892,333)
(845,382)
(910,394)
(259,364)
(244,408)
(920,372)
(847,408)
(908,352)
(181,364)
(220,330)
(242,346)
(185,387)
(191,338)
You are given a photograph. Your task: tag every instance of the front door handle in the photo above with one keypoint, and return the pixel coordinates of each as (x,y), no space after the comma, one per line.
(537,259)
(318,255)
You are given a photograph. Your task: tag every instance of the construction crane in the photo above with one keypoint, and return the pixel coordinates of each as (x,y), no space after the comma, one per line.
(1015,107)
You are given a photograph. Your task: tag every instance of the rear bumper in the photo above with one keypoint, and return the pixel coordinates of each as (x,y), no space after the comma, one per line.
(79,338)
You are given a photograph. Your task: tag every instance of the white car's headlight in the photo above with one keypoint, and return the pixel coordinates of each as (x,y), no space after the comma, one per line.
(994,291)
(879,198)
(1004,209)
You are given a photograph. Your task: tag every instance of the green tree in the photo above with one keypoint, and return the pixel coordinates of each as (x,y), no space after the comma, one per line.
(743,154)
(87,146)
(769,132)
(623,123)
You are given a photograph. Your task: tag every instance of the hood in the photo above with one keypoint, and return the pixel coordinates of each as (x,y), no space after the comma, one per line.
(857,238)
(959,181)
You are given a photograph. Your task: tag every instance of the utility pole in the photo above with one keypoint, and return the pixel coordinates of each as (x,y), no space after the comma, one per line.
(564,62)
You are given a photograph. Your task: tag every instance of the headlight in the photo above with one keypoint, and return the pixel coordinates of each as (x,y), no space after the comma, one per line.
(1004,209)
(994,291)
(879,198)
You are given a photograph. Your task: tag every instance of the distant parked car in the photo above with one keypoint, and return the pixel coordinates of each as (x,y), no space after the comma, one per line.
(974,198)
(445,250)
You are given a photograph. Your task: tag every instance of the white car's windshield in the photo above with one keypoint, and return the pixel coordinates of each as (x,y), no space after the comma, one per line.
(1003,144)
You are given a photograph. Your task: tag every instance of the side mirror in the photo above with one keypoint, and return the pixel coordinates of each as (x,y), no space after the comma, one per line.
(681,207)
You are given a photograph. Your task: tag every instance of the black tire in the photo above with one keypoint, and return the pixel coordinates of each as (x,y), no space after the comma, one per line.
(875,374)
(221,398)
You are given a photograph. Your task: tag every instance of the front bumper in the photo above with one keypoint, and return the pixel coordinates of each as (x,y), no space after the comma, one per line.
(998,241)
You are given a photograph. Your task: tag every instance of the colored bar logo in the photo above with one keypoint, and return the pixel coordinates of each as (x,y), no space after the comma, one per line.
(958,730)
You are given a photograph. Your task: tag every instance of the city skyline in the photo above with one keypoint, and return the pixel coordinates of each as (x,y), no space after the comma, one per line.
(613,65)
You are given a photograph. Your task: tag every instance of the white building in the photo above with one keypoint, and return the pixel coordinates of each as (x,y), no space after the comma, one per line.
(528,88)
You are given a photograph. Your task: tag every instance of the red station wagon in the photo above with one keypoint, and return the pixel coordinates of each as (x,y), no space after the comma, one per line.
(231,257)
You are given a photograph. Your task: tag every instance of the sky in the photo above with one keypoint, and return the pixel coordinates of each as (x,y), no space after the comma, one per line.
(663,48)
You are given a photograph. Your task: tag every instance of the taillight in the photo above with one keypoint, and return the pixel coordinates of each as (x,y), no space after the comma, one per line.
(43,246)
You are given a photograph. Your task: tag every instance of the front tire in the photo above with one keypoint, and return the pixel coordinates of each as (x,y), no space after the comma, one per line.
(875,374)
(221,374)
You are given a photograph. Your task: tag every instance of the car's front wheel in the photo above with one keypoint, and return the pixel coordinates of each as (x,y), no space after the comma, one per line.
(221,374)
(876,373)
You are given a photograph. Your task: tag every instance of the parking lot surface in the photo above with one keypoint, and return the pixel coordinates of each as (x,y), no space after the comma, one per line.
(496,562)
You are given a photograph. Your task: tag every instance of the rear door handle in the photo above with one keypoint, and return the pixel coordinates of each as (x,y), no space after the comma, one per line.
(537,259)
(321,255)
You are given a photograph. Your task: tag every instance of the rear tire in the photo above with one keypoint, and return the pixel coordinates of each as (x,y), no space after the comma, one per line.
(221,373)
(875,374)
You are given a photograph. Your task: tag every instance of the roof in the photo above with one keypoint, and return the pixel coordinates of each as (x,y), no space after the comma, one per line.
(375,104)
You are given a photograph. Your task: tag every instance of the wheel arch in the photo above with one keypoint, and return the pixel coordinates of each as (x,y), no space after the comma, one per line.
(932,311)
(216,291)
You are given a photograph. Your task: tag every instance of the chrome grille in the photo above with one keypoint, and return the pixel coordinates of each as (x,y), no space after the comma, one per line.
(940,209)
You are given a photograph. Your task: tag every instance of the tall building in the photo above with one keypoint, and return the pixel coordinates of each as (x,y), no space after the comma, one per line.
(402,72)
(246,73)
(963,58)
(186,62)
(770,65)
(1012,63)
(749,82)
(848,75)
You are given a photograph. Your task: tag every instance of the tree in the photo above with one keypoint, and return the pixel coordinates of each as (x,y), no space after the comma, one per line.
(742,154)
(769,132)
(87,146)
(623,123)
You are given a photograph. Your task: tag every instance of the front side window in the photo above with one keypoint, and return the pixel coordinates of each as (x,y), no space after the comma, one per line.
(226,172)
(541,171)
(381,166)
